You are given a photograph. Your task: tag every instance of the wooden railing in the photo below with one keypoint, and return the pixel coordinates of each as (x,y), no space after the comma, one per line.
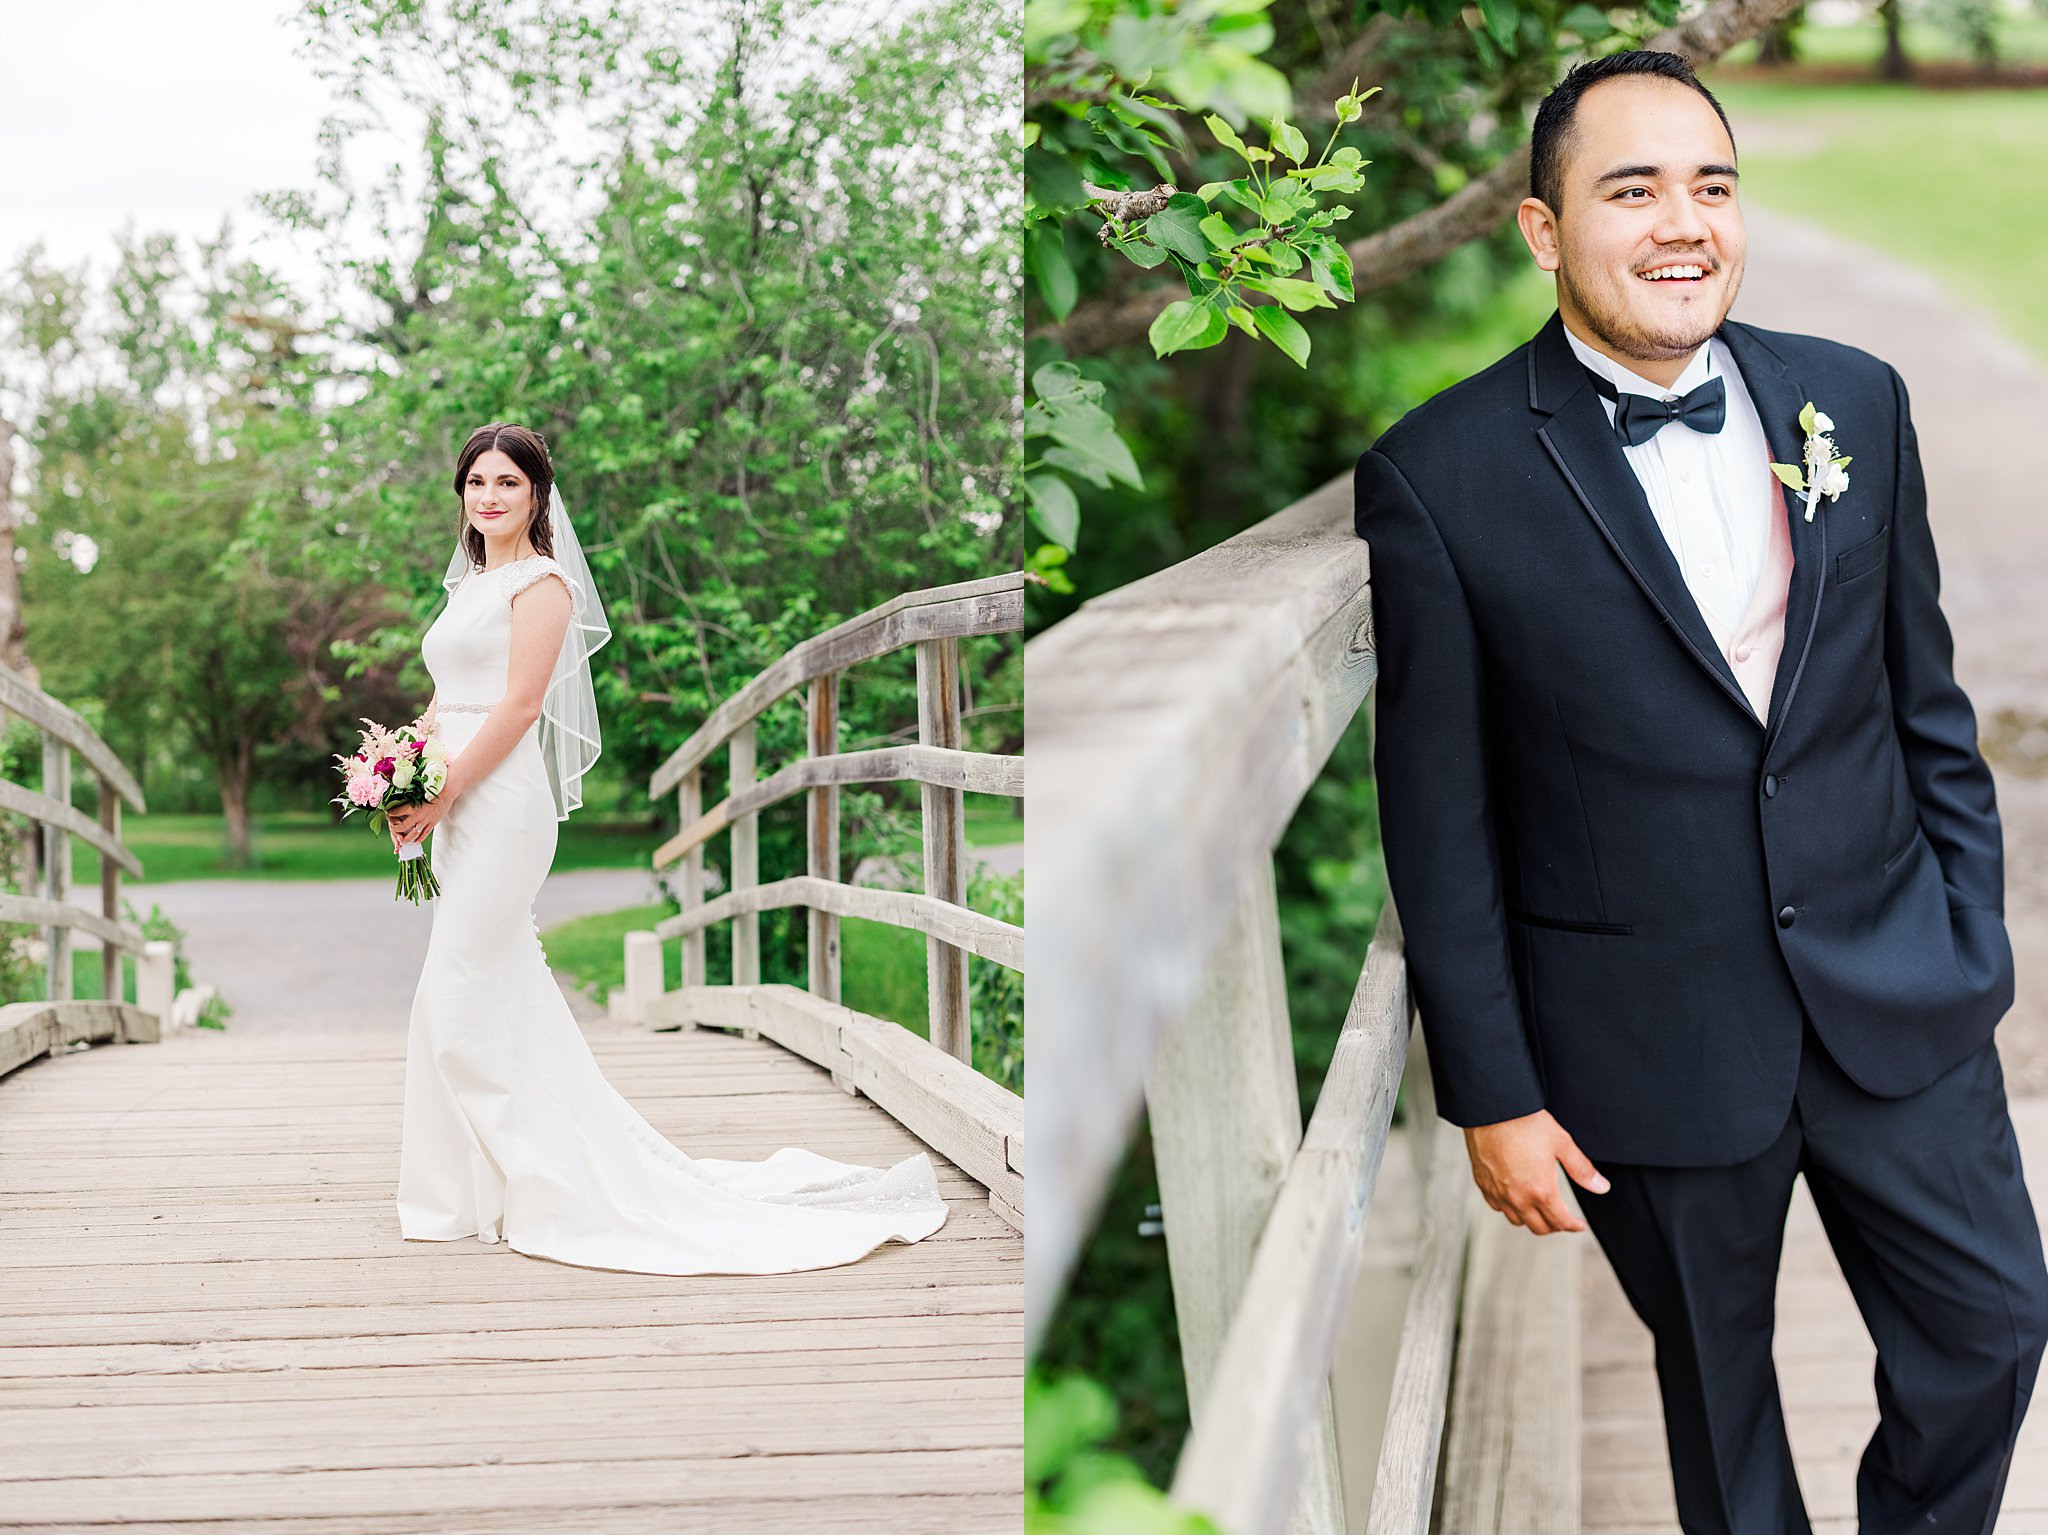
(1177,723)
(32,1029)
(927,1085)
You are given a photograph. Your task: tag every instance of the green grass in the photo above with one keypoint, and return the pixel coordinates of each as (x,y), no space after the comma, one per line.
(882,966)
(309,845)
(2020,40)
(992,820)
(1952,182)
(86,977)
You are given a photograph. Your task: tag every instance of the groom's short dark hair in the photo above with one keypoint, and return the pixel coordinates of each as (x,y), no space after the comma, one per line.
(1551,136)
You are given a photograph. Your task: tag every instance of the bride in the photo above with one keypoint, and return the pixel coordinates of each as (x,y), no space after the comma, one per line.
(511,1131)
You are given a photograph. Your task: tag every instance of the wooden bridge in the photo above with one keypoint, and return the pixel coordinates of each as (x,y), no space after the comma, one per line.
(1368,1347)
(208,1318)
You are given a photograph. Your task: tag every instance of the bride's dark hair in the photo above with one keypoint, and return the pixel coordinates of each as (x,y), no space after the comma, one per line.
(529,451)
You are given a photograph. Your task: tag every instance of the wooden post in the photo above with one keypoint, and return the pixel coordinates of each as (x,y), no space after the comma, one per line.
(690,801)
(746,868)
(643,978)
(57,866)
(945,843)
(823,837)
(110,890)
(1226,1123)
(156,980)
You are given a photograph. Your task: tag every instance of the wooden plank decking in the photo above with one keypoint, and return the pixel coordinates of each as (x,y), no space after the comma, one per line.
(208,1319)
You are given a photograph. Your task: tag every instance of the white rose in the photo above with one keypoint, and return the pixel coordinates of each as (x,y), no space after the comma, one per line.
(1822,422)
(1833,481)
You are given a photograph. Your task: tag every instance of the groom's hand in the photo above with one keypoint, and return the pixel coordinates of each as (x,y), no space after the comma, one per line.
(1515,1164)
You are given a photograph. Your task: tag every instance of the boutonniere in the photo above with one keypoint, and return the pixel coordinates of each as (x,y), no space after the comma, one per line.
(1823,473)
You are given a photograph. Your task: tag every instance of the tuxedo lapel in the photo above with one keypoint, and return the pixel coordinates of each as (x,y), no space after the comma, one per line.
(1779,398)
(1583,443)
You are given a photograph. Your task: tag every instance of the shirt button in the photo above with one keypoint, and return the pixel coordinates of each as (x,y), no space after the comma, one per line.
(1786,915)
(1685,474)
(1706,570)
(1742,652)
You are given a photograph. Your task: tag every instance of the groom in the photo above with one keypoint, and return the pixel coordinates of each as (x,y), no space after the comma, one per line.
(1699,866)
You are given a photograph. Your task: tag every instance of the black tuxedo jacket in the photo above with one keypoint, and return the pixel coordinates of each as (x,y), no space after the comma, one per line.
(1619,887)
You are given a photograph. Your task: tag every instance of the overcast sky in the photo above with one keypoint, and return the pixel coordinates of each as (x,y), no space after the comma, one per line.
(169,115)
(172,114)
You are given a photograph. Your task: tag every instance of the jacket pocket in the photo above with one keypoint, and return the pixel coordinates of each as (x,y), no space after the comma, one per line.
(1571,924)
(1912,837)
(1862,558)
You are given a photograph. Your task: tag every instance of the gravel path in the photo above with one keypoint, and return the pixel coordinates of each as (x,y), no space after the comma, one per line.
(306,955)
(1976,398)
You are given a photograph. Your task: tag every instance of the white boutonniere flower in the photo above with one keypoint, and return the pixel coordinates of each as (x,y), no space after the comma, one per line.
(1820,473)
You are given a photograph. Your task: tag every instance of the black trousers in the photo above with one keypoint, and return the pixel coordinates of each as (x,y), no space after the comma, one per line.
(1927,1211)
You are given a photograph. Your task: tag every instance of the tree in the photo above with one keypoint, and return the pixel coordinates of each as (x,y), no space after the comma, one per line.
(13,630)
(1895,64)
(159,396)
(752,287)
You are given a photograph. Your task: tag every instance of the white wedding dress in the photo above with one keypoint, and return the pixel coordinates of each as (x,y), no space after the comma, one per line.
(511,1131)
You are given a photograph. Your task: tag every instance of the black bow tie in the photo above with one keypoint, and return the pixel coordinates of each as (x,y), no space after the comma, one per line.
(1637,416)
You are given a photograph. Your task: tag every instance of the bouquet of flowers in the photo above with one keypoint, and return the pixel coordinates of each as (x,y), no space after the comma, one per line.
(406,766)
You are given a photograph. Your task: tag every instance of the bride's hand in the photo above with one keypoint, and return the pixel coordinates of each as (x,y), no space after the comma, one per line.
(411,823)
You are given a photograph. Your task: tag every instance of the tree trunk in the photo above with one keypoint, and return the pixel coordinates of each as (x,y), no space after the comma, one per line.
(1895,65)
(1776,48)
(236,771)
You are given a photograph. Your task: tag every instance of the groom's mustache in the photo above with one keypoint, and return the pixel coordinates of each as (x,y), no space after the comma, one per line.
(1675,258)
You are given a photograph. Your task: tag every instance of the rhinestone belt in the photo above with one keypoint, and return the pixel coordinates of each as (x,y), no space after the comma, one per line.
(465,708)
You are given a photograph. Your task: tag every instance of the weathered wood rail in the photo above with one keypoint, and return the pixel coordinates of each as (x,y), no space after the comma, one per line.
(1177,724)
(32,1029)
(927,1085)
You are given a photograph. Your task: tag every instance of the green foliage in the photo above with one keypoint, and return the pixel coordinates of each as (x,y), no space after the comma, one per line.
(1116,1321)
(160,397)
(1332,883)
(776,362)
(758,301)
(1288,230)
(1076,435)
(1976,26)
(21,978)
(1074,1486)
(1107,84)
(995,993)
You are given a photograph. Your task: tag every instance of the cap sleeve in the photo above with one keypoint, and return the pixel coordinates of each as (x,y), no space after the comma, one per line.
(525,573)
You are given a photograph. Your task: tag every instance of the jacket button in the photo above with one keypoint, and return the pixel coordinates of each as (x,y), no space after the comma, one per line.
(1770,785)
(1785,916)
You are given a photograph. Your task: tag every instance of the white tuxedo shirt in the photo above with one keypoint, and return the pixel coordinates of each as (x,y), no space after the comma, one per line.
(1715,501)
